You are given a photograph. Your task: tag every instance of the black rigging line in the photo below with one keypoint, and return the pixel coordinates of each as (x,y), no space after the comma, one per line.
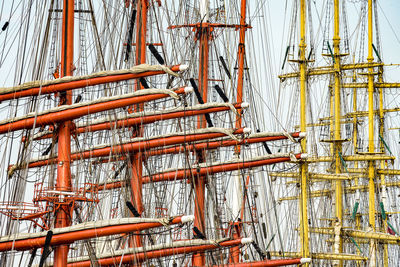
(132,209)
(5,26)
(201,101)
(46,248)
(33,254)
(117,173)
(156,54)
(130,35)
(198,234)
(144,83)
(221,93)
(258,249)
(78,98)
(225,67)
(265,145)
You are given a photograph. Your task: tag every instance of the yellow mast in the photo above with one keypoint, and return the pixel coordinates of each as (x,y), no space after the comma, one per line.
(335,121)
(304,232)
(382,176)
(371,145)
(357,217)
(338,247)
(382,166)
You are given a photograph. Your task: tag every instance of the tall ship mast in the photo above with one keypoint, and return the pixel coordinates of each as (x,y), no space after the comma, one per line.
(148,133)
(346,190)
(127,143)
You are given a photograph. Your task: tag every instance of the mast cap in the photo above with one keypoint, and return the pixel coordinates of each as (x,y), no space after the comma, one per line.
(302,134)
(246,240)
(245,104)
(183,67)
(305,260)
(188,89)
(247,130)
(187,218)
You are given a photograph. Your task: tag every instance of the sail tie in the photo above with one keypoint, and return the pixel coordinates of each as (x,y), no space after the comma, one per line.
(227,132)
(15,167)
(165,221)
(157,91)
(289,136)
(233,109)
(293,157)
(164,68)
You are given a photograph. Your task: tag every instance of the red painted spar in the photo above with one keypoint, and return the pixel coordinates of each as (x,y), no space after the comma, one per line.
(61,87)
(206,145)
(202,171)
(141,256)
(182,174)
(217,144)
(136,146)
(71,237)
(77,112)
(146,119)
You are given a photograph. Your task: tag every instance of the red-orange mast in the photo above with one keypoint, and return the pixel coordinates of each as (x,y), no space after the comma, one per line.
(241,55)
(204,35)
(136,158)
(63,183)
(236,227)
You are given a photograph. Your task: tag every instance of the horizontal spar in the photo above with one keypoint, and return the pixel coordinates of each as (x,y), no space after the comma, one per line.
(321,256)
(84,231)
(349,117)
(251,139)
(146,117)
(378,171)
(315,176)
(74,82)
(136,144)
(71,112)
(268,263)
(153,252)
(383,237)
(348,190)
(330,70)
(202,170)
(365,85)
(352,158)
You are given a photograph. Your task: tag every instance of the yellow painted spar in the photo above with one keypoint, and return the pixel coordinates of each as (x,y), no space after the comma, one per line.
(316,176)
(347,190)
(337,145)
(365,85)
(320,256)
(304,233)
(329,70)
(371,144)
(382,237)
